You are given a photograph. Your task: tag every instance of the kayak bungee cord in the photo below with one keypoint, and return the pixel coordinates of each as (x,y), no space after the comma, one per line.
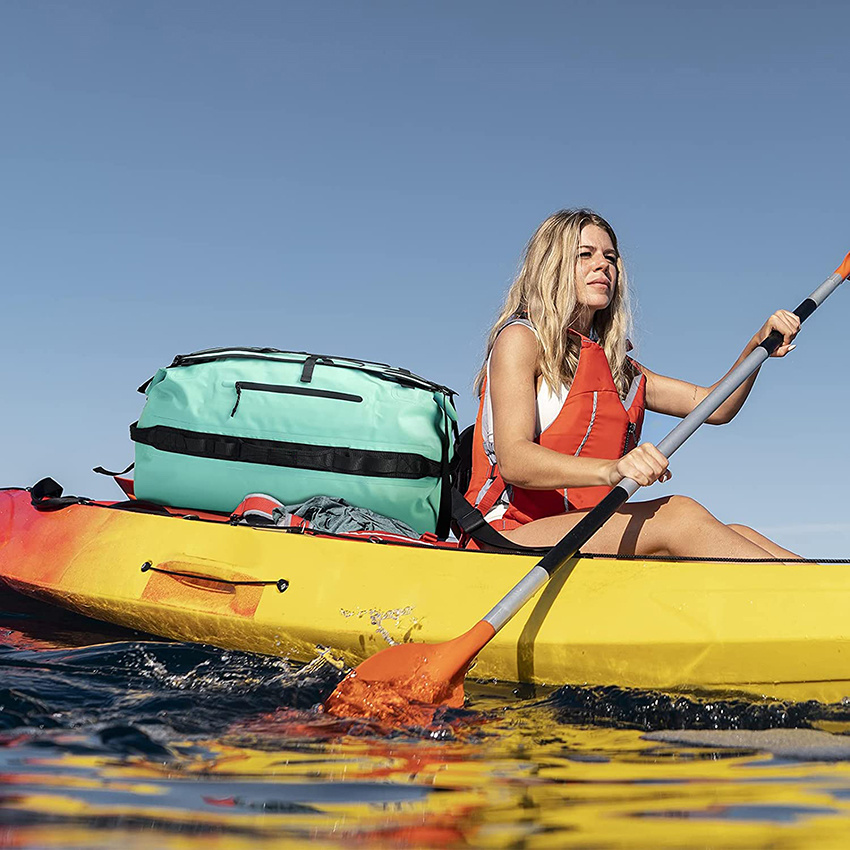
(384,685)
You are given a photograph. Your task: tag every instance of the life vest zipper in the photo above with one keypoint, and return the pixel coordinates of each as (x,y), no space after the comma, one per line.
(278,388)
(630,437)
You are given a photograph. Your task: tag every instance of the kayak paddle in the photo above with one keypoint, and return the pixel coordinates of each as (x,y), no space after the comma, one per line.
(433,674)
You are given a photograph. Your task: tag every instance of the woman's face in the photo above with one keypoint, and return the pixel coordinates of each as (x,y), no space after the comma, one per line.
(596,268)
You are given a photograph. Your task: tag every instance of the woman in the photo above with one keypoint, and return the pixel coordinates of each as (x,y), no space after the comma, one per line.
(562,405)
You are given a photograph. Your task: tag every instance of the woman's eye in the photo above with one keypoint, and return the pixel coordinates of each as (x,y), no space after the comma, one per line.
(585,254)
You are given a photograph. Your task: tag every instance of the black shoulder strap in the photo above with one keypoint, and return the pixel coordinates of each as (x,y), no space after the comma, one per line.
(467,518)
(471,521)
(461,467)
(444,516)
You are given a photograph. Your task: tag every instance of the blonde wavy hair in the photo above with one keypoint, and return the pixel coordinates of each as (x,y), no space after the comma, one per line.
(545,292)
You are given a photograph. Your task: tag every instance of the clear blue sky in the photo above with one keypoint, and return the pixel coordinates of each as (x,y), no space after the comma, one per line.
(360,178)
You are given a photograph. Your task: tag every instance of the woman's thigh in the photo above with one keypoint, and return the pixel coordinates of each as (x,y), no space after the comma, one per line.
(639,528)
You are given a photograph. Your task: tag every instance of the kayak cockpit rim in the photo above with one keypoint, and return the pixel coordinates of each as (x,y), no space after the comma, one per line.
(166,512)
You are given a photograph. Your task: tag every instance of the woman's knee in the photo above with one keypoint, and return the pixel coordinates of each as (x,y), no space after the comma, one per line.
(683,510)
(662,526)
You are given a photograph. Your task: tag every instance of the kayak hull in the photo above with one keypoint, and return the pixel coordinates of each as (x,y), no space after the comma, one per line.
(764,629)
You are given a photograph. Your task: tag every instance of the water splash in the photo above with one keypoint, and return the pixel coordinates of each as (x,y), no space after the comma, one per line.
(377,618)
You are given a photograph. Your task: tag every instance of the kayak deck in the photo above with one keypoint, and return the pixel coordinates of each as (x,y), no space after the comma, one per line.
(766,629)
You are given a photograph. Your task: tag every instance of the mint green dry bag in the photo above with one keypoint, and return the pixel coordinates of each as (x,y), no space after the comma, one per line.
(223,423)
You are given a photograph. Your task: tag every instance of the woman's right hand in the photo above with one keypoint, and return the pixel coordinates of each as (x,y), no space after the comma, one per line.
(644,464)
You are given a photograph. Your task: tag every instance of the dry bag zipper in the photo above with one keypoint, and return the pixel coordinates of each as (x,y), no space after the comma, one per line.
(278,388)
(379,370)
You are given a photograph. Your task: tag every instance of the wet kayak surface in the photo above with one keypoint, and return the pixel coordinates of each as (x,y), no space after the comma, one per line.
(112,738)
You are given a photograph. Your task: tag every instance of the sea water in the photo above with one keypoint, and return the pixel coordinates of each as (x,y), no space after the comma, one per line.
(113,739)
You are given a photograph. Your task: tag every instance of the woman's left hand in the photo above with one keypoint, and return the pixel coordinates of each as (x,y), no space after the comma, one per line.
(787,323)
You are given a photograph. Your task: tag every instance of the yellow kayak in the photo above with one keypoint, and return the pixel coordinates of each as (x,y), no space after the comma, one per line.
(766,629)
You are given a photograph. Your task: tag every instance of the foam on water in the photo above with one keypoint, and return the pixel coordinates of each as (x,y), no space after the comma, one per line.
(801,744)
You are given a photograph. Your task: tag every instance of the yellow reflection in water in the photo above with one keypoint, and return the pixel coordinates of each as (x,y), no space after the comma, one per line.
(520,780)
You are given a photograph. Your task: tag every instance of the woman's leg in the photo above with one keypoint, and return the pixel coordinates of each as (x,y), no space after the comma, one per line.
(675,525)
(768,545)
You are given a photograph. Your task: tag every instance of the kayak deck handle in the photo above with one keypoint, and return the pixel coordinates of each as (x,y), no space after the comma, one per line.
(202,581)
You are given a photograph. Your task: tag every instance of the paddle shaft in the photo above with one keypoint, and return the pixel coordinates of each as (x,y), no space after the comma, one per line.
(569,545)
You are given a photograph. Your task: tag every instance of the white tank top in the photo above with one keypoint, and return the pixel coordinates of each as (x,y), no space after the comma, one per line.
(548,405)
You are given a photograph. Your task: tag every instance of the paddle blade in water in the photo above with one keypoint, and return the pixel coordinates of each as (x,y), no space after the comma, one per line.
(404,684)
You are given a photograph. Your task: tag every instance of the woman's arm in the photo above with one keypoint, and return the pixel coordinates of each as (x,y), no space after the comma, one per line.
(679,398)
(513,393)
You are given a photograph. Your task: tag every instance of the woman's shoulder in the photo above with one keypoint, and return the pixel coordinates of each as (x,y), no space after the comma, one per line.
(516,344)
(516,335)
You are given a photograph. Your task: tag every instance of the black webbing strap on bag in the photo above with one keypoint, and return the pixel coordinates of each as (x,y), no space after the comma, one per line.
(101,471)
(337,459)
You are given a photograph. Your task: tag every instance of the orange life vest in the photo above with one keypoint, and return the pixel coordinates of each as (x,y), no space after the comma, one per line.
(593,421)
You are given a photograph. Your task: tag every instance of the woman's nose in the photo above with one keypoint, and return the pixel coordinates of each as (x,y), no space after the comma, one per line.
(602,263)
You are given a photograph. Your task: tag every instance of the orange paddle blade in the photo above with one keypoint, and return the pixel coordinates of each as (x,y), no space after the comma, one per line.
(844,268)
(406,683)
